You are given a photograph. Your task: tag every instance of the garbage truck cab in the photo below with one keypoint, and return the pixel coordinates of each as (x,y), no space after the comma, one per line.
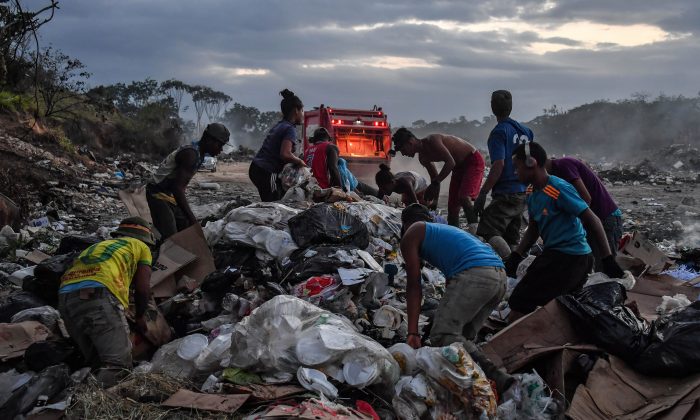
(363,137)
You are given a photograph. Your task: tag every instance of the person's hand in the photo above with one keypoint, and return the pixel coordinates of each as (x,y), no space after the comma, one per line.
(432,192)
(141,324)
(512,263)
(611,268)
(480,203)
(300,163)
(414,341)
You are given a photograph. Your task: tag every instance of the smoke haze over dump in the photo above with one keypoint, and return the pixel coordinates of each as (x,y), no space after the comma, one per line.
(419,60)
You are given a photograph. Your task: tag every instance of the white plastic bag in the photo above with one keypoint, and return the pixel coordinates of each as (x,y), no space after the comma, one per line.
(212,356)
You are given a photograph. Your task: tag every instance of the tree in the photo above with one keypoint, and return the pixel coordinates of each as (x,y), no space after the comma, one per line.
(61,82)
(215,104)
(175,89)
(16,29)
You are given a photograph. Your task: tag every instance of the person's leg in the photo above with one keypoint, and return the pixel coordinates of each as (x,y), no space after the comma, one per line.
(613,232)
(471,185)
(181,221)
(496,279)
(495,219)
(466,295)
(515,205)
(469,298)
(71,308)
(162,216)
(109,332)
(550,275)
(262,180)
(454,203)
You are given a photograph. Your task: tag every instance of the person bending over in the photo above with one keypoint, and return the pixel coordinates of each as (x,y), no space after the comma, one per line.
(410,184)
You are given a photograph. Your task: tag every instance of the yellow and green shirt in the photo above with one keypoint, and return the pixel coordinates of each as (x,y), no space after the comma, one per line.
(111,263)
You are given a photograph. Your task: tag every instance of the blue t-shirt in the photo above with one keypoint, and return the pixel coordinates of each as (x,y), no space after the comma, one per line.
(555,209)
(268,157)
(453,250)
(504,138)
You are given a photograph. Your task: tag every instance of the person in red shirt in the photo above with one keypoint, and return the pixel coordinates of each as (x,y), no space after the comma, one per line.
(322,158)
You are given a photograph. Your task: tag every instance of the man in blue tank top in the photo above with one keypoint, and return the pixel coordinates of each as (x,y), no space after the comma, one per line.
(476,283)
(556,214)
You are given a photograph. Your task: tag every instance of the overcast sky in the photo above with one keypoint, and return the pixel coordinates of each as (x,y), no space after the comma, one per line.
(418,59)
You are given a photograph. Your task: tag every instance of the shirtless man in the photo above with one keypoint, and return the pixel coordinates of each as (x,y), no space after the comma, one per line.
(460,158)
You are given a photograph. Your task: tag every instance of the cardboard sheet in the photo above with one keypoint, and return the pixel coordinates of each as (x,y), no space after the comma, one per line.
(213,402)
(15,338)
(171,258)
(546,330)
(613,390)
(641,247)
(192,240)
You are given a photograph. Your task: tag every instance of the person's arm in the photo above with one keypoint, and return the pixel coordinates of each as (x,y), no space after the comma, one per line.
(441,154)
(185,167)
(582,190)
(593,226)
(332,164)
(287,155)
(494,175)
(529,238)
(410,244)
(405,186)
(142,293)
(532,233)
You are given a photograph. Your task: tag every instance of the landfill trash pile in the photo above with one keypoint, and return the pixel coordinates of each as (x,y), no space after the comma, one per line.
(297,309)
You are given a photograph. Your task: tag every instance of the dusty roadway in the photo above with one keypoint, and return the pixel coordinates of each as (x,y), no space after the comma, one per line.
(650,208)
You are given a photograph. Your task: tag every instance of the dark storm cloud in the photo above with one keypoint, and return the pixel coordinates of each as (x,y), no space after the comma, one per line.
(311,47)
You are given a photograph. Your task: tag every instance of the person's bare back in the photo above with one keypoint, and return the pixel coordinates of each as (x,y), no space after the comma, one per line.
(458,148)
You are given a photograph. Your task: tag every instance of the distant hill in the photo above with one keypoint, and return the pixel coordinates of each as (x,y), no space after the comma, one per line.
(617,130)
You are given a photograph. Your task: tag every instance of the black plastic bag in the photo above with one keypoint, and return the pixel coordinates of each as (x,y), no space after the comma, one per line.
(302,268)
(601,313)
(47,277)
(220,281)
(675,345)
(43,354)
(326,224)
(49,382)
(70,244)
(11,304)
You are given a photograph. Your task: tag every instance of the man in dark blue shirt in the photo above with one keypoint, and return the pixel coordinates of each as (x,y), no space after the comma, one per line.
(503,217)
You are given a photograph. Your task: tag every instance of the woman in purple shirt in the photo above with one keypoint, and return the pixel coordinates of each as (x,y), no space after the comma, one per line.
(593,192)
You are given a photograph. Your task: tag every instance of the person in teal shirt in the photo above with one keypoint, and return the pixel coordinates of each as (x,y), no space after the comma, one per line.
(558,215)
(476,283)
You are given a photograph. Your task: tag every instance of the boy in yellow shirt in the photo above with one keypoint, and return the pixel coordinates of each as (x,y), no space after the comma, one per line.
(94,293)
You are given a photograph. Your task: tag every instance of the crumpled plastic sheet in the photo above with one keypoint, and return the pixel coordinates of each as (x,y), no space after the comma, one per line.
(286,333)
(265,214)
(683,273)
(381,220)
(627,281)
(278,243)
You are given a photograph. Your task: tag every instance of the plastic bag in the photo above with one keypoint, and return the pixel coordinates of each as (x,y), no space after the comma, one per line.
(292,175)
(628,280)
(167,360)
(675,340)
(16,302)
(212,356)
(528,398)
(264,214)
(347,179)
(405,356)
(47,277)
(44,314)
(328,224)
(316,289)
(382,221)
(285,333)
(601,312)
(673,303)
(453,368)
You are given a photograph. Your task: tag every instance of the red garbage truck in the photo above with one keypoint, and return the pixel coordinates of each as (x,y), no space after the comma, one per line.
(362,136)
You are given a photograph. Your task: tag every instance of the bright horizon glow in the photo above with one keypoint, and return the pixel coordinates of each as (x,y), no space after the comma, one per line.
(587,34)
(388,62)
